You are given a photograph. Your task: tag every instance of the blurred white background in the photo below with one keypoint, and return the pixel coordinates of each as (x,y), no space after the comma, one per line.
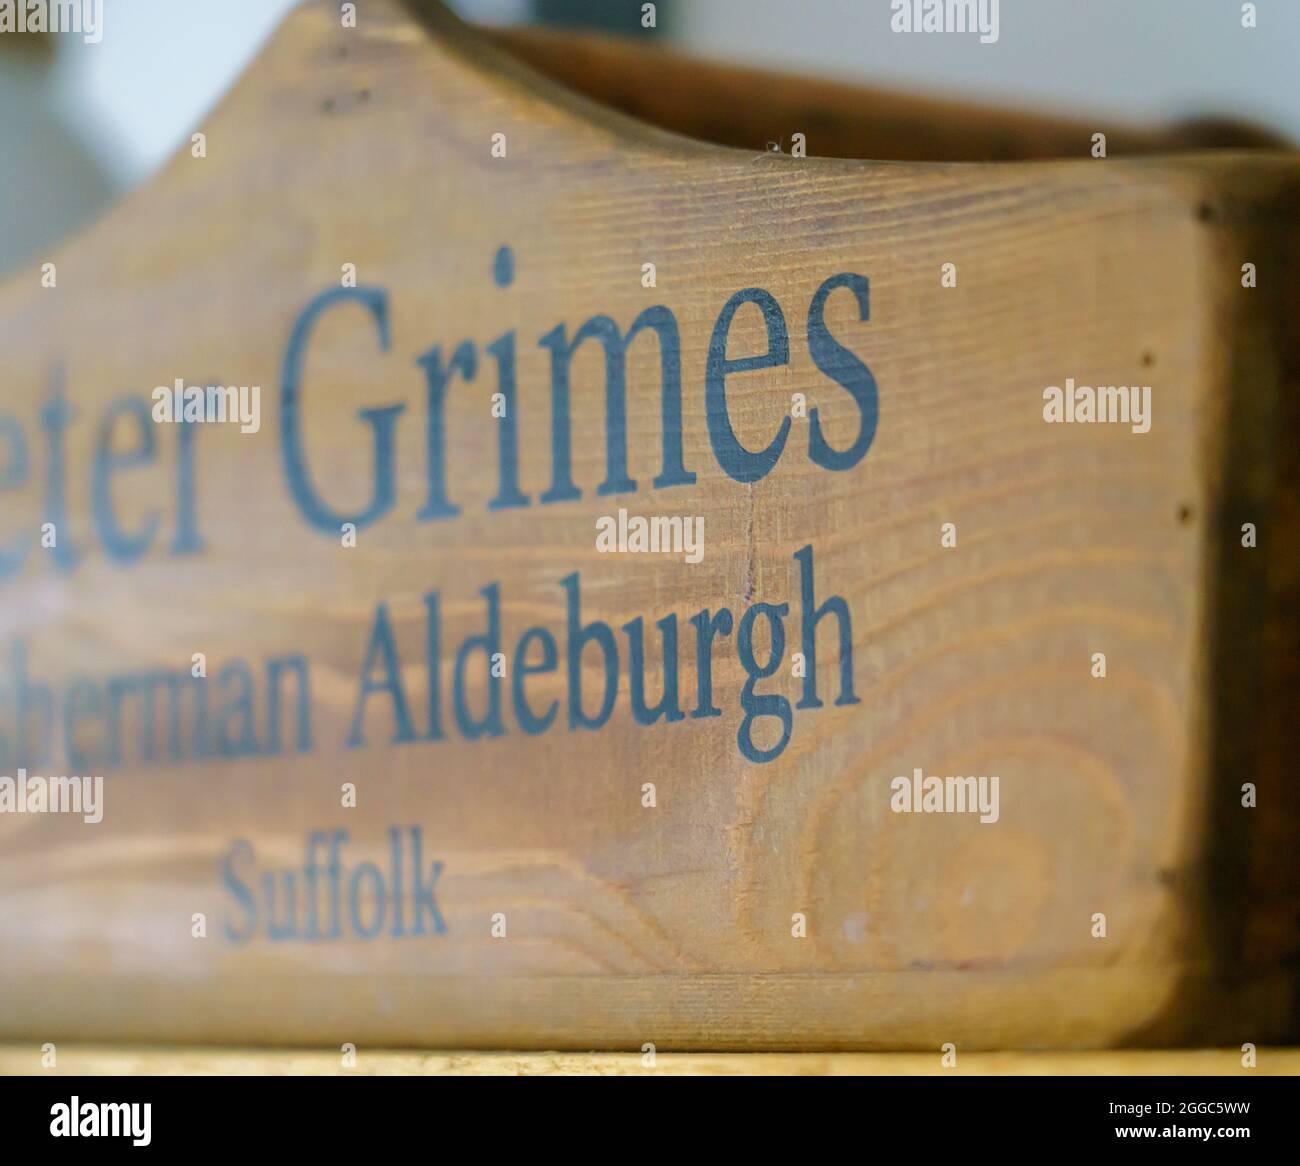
(84,123)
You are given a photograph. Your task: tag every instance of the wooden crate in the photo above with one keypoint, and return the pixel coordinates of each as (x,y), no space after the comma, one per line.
(431,259)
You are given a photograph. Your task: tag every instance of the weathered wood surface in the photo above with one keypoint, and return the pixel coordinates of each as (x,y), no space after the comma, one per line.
(92,1060)
(673,925)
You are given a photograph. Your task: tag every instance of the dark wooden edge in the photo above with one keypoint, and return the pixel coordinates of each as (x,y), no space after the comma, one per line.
(1244,888)
(749,108)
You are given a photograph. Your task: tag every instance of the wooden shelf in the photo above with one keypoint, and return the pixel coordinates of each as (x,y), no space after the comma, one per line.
(95,1060)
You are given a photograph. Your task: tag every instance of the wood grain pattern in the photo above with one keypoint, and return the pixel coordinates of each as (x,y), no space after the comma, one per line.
(91,1060)
(673,925)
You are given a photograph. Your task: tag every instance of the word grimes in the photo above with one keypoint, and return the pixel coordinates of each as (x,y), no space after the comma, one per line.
(446,370)
(129,450)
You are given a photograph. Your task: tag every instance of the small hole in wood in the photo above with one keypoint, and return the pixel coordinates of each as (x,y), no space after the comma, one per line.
(1205,212)
(1148,359)
(1185,513)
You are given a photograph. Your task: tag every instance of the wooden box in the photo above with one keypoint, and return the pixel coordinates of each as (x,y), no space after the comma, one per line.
(380,688)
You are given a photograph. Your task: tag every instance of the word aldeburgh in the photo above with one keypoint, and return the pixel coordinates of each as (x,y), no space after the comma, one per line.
(569,677)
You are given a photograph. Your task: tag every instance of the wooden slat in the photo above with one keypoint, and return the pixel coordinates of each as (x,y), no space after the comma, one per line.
(750,108)
(90,1060)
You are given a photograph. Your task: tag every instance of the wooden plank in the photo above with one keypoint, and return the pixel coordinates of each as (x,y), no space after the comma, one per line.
(749,108)
(90,1060)
(760,903)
